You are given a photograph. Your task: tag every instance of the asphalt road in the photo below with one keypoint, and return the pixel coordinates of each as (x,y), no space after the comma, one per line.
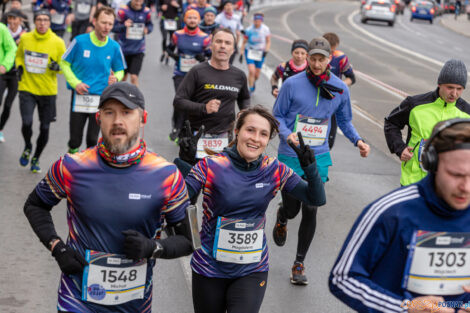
(390,61)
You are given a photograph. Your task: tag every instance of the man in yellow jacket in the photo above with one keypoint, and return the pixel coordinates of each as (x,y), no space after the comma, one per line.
(37,58)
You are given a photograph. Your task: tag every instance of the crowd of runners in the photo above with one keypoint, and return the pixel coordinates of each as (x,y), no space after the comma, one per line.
(407,248)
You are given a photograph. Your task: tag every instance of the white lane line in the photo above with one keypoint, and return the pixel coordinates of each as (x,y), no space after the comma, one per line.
(390,44)
(408,28)
(366,115)
(313,23)
(285,24)
(380,84)
(381,47)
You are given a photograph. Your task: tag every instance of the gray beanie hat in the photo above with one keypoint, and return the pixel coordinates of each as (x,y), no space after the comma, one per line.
(453,72)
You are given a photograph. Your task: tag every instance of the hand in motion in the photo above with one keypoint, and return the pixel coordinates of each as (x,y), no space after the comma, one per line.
(188,142)
(304,153)
(137,246)
(128,23)
(82,89)
(112,79)
(364,148)
(69,260)
(213,106)
(407,154)
(240,58)
(200,57)
(53,66)
(427,304)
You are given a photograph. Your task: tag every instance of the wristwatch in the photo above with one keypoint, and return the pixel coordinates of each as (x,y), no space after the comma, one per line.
(158,251)
(51,242)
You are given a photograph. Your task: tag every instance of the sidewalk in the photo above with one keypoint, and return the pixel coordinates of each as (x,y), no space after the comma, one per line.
(460,25)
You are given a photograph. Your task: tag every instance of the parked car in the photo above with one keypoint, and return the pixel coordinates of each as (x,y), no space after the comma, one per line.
(378,10)
(449,6)
(400,6)
(422,10)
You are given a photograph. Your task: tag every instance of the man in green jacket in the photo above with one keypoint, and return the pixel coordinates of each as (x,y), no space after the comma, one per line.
(7,59)
(420,113)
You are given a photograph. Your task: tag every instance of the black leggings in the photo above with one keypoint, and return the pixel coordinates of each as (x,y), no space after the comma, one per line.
(232,295)
(289,210)
(10,82)
(78,28)
(77,125)
(178,116)
(45,105)
(166,36)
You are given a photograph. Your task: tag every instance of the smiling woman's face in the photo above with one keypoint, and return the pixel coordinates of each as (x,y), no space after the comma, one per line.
(253,137)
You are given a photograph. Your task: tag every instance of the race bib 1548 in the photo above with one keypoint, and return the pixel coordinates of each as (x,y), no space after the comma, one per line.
(111,279)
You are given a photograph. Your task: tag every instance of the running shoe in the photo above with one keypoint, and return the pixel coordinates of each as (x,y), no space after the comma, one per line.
(72,151)
(280,231)
(2,138)
(298,274)
(162,57)
(24,159)
(35,165)
(174,135)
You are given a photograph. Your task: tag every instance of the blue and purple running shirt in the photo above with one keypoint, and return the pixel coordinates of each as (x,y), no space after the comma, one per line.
(103,201)
(231,193)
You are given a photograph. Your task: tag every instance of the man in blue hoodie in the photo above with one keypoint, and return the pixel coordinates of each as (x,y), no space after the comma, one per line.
(415,241)
(306,103)
(133,23)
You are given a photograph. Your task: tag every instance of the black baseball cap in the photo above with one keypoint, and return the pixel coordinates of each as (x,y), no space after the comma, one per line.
(124,92)
(15,13)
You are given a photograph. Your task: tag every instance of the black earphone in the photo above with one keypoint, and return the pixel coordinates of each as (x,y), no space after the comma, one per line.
(429,157)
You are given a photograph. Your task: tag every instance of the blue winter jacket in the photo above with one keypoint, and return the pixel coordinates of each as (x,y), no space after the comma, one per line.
(368,273)
(299,96)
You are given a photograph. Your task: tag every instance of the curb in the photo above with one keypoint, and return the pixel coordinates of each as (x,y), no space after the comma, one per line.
(445,25)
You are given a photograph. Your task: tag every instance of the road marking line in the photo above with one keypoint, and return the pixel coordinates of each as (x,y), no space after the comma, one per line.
(384,86)
(381,47)
(390,44)
(285,24)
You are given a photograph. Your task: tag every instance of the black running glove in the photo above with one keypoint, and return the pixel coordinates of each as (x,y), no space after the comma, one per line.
(200,57)
(304,153)
(69,260)
(188,143)
(54,66)
(173,55)
(137,246)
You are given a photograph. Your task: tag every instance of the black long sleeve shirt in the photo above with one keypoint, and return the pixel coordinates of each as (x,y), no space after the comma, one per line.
(203,83)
